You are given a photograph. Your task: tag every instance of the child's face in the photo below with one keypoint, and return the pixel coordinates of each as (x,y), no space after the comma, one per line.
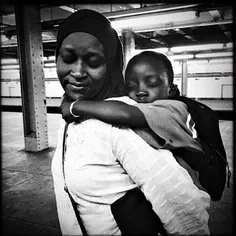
(147,81)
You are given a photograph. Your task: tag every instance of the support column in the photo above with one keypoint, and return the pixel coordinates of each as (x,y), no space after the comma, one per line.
(128,44)
(184,80)
(30,52)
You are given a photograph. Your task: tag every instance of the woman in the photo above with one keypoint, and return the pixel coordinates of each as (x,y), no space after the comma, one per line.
(104,162)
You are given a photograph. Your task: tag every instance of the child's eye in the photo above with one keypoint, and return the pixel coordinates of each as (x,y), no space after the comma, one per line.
(131,86)
(153,81)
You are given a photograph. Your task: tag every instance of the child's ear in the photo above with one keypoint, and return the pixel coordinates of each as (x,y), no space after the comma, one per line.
(173,90)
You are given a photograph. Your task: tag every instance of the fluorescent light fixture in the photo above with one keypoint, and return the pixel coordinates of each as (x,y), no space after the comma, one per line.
(52,58)
(147,10)
(9,61)
(201,47)
(183,56)
(10,67)
(161,50)
(138,21)
(213,60)
(214,54)
(197,61)
(66,8)
(49,65)
(222,60)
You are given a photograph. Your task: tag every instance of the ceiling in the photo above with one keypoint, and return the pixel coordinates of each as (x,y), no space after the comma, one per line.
(156,25)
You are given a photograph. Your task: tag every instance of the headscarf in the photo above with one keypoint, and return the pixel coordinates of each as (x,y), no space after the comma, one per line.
(96,24)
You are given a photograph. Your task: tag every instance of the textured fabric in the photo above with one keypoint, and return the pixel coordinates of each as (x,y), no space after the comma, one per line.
(95,178)
(171,121)
(172,127)
(96,24)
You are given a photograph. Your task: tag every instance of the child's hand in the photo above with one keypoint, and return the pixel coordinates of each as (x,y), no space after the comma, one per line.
(65,109)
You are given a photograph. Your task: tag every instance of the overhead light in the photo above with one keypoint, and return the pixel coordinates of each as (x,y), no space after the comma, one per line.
(194,61)
(160,50)
(201,47)
(66,8)
(8,61)
(149,10)
(222,60)
(181,56)
(139,21)
(214,54)
(214,60)
(10,67)
(49,65)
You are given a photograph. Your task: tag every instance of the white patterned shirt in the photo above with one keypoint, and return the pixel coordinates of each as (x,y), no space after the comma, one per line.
(103,162)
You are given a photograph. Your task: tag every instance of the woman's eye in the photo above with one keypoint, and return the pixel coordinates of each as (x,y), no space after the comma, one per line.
(68,57)
(94,62)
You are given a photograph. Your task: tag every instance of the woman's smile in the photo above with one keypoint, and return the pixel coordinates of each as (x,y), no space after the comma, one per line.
(78,87)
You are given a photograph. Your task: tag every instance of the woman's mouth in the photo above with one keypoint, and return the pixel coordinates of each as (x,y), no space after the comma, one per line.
(77,87)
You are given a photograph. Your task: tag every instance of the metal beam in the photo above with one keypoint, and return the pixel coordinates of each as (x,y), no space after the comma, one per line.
(30,51)
(184,79)
(193,23)
(128,43)
(185,35)
(150,10)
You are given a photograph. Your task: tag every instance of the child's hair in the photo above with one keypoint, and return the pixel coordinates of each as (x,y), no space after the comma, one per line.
(156,56)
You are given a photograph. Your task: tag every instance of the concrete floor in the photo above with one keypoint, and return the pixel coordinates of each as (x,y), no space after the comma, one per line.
(28,201)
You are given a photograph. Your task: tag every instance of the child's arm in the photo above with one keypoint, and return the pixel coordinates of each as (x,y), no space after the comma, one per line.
(113,112)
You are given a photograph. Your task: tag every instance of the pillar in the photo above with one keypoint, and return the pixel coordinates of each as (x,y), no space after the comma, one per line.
(184,80)
(30,53)
(128,44)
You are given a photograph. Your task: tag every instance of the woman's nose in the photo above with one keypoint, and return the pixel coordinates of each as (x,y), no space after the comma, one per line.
(78,70)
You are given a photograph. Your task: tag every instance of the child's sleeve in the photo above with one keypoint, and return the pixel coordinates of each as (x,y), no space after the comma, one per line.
(172,123)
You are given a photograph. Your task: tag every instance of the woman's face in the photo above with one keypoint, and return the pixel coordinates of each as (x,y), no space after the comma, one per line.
(81,66)
(147,81)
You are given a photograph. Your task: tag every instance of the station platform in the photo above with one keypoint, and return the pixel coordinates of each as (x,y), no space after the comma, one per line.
(28,201)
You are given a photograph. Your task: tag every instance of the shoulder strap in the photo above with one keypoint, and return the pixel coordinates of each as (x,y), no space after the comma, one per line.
(65,186)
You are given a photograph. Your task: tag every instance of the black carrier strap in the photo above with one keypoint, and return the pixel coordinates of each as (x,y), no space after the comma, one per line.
(66,188)
(212,164)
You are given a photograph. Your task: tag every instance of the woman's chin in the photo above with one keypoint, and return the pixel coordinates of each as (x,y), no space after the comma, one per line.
(74,96)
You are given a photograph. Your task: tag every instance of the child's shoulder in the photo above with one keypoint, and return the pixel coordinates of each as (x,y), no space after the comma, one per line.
(124,99)
(168,102)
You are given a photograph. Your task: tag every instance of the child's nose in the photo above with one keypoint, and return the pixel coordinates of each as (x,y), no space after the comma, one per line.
(142,90)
